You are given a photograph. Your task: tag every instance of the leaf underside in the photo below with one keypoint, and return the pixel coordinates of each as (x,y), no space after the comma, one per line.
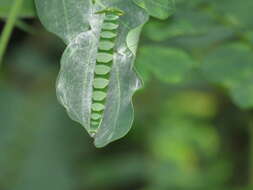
(77,23)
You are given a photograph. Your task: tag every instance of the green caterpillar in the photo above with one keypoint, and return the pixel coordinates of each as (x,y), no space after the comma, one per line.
(104,62)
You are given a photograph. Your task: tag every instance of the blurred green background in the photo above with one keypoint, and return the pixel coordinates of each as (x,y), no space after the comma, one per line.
(193,118)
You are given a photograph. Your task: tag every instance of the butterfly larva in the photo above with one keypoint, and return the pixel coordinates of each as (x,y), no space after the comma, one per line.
(104,61)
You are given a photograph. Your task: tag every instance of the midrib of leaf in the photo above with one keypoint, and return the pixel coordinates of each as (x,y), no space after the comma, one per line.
(7,31)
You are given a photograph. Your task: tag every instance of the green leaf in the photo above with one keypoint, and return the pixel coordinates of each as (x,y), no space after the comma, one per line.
(237,14)
(167,64)
(194,25)
(67,19)
(231,66)
(161,9)
(249,36)
(242,94)
(79,25)
(28,9)
(228,64)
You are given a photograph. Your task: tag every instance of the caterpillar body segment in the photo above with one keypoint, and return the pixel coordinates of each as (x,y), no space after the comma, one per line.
(104,62)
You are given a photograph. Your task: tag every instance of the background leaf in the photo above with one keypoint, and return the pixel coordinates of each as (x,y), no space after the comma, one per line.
(161,9)
(231,66)
(169,65)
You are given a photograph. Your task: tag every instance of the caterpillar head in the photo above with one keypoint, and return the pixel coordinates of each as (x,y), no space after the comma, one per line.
(114,11)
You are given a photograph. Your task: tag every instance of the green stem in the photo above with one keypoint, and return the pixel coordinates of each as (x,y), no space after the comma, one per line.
(6,33)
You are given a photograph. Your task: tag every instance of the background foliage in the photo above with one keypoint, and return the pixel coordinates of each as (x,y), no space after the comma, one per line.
(193,126)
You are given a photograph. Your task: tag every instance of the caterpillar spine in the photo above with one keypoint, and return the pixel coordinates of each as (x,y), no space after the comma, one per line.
(104,62)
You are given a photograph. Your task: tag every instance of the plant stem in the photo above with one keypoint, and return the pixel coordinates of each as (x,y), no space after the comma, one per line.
(6,33)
